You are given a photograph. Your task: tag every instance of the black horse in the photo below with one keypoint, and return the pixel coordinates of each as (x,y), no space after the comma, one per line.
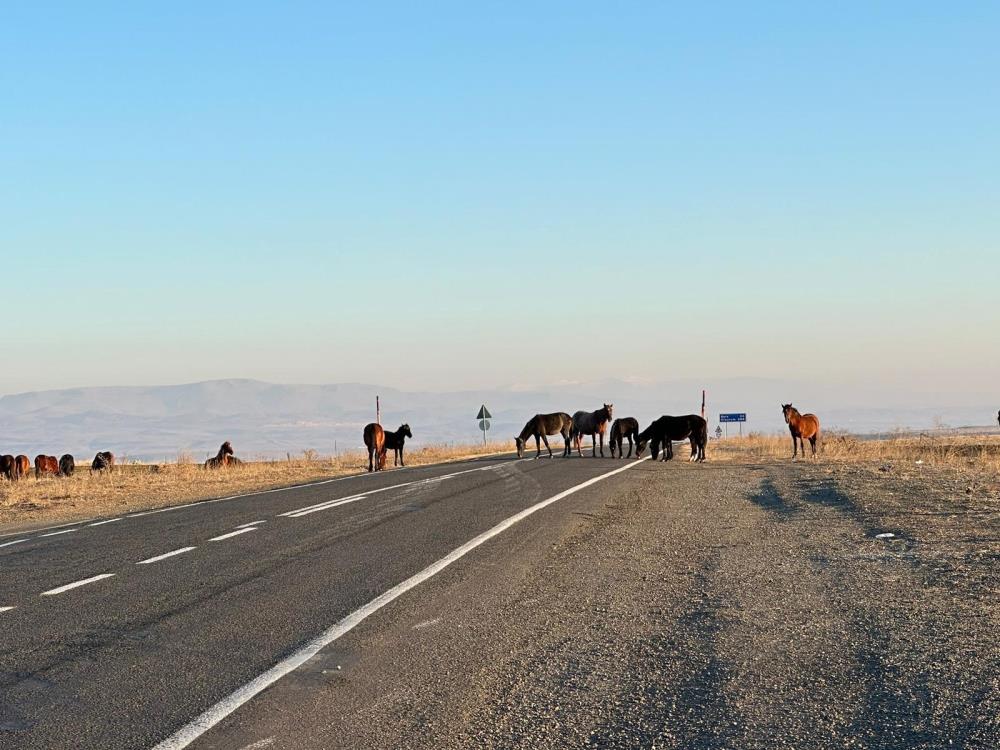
(626,427)
(7,466)
(666,429)
(103,461)
(395,440)
(67,465)
(541,425)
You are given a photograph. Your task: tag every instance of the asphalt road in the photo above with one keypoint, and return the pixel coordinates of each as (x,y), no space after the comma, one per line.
(125,660)
(666,605)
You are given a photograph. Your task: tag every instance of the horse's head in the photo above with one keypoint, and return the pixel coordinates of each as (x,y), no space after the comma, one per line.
(226,449)
(609,408)
(640,447)
(520,446)
(787,410)
(405,430)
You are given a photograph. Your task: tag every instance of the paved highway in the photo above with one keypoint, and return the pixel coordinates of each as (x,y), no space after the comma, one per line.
(121,632)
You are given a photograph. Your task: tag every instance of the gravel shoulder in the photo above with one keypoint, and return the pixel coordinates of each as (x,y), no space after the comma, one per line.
(680,606)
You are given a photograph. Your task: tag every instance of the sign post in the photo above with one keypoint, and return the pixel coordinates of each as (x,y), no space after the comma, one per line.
(739,417)
(484,417)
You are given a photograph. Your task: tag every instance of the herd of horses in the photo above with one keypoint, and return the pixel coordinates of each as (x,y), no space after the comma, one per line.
(595,424)
(659,436)
(14,468)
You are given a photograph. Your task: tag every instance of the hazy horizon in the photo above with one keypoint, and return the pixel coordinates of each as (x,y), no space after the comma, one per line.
(455,197)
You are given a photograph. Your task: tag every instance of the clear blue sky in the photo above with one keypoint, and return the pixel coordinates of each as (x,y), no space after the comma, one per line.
(458,194)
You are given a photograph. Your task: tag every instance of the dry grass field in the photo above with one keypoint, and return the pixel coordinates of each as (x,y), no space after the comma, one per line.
(133,487)
(972,454)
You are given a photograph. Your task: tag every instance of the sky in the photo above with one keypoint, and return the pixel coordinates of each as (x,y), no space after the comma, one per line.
(459,195)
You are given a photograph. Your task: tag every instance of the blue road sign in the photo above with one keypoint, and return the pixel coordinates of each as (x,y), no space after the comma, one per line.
(741,417)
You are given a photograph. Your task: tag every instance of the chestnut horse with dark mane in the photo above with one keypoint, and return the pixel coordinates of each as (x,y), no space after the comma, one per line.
(46,465)
(374,437)
(621,429)
(541,425)
(223,459)
(22,465)
(593,423)
(803,427)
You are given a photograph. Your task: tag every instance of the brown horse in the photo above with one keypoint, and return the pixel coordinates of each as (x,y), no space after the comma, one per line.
(374,437)
(803,427)
(223,459)
(22,465)
(593,423)
(103,461)
(46,465)
(626,427)
(67,465)
(394,442)
(7,466)
(541,425)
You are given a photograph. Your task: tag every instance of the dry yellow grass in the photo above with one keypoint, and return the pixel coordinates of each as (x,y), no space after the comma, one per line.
(144,486)
(972,454)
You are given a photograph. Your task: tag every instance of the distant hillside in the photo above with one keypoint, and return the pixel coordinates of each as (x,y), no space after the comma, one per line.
(267,419)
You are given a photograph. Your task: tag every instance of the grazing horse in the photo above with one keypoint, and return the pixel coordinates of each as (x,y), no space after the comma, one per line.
(394,442)
(223,459)
(22,465)
(803,427)
(67,465)
(666,429)
(626,427)
(46,465)
(103,461)
(7,466)
(591,423)
(374,437)
(541,425)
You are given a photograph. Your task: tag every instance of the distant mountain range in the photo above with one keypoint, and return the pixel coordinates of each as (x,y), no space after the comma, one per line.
(158,423)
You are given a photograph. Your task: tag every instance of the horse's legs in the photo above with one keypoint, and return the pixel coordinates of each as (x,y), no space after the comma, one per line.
(538,447)
(370,452)
(602,443)
(812,443)
(401,456)
(545,440)
(629,446)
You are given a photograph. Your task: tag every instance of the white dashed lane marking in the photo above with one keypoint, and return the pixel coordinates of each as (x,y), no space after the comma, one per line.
(101,523)
(322,506)
(76,584)
(16,541)
(165,555)
(6,609)
(232,534)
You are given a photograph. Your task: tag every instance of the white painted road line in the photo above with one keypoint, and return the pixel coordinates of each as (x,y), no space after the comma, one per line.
(232,534)
(326,504)
(252,523)
(6,609)
(16,541)
(165,555)
(57,533)
(77,584)
(322,506)
(201,724)
(108,520)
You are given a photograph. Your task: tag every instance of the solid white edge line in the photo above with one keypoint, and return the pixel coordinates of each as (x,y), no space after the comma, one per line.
(165,555)
(201,724)
(76,584)
(232,533)
(57,533)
